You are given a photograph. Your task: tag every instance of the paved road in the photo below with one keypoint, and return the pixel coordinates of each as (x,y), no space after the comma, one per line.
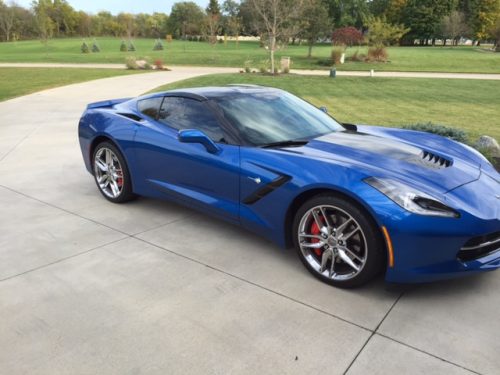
(88,287)
(344,73)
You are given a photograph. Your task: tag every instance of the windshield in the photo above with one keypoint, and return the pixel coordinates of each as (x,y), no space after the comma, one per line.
(264,117)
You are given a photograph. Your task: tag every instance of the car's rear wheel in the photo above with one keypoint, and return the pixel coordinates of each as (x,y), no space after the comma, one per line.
(337,242)
(111,173)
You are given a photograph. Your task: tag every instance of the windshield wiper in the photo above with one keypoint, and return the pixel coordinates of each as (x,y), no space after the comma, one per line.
(296,143)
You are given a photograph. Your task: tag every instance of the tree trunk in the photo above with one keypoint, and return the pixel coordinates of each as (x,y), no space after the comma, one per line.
(444,42)
(309,52)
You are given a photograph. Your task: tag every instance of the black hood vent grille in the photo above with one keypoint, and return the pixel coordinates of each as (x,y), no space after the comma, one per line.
(434,161)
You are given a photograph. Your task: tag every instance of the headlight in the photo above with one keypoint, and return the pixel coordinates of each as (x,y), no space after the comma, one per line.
(411,199)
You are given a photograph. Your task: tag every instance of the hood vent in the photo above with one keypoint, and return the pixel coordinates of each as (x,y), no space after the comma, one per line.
(434,161)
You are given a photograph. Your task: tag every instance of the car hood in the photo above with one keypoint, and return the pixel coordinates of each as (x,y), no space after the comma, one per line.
(440,168)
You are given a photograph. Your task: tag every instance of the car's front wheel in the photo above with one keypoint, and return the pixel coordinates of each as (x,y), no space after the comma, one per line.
(111,173)
(337,242)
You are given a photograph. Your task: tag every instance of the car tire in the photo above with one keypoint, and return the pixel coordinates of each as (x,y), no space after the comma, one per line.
(112,179)
(364,246)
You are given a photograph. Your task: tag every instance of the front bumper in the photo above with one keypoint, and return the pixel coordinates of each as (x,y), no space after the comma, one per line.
(427,248)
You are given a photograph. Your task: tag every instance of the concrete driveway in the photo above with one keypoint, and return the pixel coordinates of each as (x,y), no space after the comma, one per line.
(88,287)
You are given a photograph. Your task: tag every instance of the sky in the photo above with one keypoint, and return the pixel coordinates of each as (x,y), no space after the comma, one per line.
(117,6)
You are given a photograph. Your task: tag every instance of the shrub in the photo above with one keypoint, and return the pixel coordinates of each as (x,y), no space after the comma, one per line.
(158,45)
(220,41)
(123,46)
(445,131)
(148,66)
(131,47)
(130,63)
(286,70)
(95,47)
(85,48)
(158,63)
(377,53)
(336,55)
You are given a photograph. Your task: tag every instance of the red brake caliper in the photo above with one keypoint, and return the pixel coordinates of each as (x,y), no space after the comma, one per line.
(315,230)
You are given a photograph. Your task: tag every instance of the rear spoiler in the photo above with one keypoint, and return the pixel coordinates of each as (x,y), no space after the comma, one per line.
(107,103)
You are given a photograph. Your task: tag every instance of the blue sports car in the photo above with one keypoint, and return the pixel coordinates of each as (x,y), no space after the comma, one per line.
(353,200)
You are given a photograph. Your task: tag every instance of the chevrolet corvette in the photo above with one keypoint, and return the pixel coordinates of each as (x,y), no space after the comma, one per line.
(353,200)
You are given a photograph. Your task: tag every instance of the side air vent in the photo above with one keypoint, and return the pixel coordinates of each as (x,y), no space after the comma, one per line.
(435,161)
(131,116)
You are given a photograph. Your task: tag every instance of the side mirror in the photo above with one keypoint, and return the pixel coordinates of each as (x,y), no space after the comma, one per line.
(197,136)
(323,109)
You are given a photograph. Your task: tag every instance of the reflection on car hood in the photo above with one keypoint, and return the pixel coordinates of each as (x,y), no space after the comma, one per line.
(422,164)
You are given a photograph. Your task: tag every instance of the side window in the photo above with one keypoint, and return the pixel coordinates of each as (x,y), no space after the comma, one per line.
(150,107)
(184,113)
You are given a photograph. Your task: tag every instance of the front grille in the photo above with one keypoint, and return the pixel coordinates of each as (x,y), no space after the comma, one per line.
(478,247)
(434,160)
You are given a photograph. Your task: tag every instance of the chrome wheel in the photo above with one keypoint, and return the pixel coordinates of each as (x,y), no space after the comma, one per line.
(108,172)
(332,242)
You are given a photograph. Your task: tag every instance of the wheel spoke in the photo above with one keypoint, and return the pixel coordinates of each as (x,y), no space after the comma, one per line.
(314,236)
(343,226)
(109,158)
(343,255)
(317,245)
(327,254)
(317,219)
(352,254)
(101,165)
(114,188)
(332,266)
(327,222)
(345,237)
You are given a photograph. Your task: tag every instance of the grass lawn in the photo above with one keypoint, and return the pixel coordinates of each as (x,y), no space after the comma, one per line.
(471,105)
(438,59)
(21,81)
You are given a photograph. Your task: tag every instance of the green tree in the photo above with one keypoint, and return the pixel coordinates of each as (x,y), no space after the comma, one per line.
(381,33)
(157,24)
(454,26)
(127,24)
(348,12)
(482,17)
(6,20)
(186,18)
(423,17)
(315,22)
(44,24)
(24,24)
(84,26)
(231,19)
(275,18)
(495,33)
(213,20)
